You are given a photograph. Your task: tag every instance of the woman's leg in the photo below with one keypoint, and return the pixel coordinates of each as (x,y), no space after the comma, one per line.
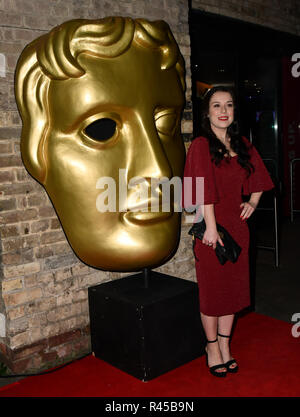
(225,324)
(225,327)
(210,325)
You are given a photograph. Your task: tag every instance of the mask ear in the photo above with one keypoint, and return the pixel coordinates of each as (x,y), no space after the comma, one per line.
(31,88)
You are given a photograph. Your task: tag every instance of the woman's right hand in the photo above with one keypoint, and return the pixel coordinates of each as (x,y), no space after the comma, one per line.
(211,237)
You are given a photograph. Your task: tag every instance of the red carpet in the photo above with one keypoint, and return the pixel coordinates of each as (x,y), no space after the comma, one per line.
(268,355)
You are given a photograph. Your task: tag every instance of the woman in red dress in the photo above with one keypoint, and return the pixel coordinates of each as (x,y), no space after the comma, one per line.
(231,167)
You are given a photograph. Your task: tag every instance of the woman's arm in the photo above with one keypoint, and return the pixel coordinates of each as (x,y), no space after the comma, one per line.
(249,207)
(211,234)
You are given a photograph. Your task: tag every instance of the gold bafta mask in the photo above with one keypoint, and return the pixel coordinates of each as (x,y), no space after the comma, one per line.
(102,99)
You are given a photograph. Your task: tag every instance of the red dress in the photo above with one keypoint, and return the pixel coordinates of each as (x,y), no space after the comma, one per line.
(225,289)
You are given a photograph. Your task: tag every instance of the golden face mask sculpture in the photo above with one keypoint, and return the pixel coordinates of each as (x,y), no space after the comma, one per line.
(101,102)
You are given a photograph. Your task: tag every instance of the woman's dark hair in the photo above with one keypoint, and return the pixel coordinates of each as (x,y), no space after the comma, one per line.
(216,147)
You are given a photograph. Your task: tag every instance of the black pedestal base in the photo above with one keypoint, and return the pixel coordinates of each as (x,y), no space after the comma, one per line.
(146,328)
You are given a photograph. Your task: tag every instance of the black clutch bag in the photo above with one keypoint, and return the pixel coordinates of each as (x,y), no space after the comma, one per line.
(229,252)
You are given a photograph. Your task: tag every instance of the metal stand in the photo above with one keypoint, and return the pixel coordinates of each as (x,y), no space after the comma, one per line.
(275,248)
(293,161)
(146,276)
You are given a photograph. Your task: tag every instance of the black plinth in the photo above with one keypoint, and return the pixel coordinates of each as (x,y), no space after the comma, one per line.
(146,328)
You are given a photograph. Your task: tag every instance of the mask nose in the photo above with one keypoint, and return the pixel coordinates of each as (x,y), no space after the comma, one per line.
(148,161)
(148,158)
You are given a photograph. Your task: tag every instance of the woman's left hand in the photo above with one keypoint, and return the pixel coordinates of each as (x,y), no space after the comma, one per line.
(247,210)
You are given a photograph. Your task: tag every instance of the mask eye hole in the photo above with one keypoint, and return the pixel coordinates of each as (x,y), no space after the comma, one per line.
(101,129)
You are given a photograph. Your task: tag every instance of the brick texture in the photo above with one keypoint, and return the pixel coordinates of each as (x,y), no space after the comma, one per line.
(43,285)
(276,14)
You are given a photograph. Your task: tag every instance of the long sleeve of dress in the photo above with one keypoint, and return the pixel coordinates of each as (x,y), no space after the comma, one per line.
(199,165)
(259,179)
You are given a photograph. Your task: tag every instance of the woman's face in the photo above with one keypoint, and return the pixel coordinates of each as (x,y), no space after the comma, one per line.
(221,110)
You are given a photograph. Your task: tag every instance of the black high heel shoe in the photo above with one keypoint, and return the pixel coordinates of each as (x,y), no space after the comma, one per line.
(213,369)
(231,361)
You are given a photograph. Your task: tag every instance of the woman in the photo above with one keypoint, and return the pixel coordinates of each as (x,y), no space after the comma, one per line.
(231,167)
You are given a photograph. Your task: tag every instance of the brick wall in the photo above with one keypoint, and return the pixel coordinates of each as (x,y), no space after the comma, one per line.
(276,14)
(43,293)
